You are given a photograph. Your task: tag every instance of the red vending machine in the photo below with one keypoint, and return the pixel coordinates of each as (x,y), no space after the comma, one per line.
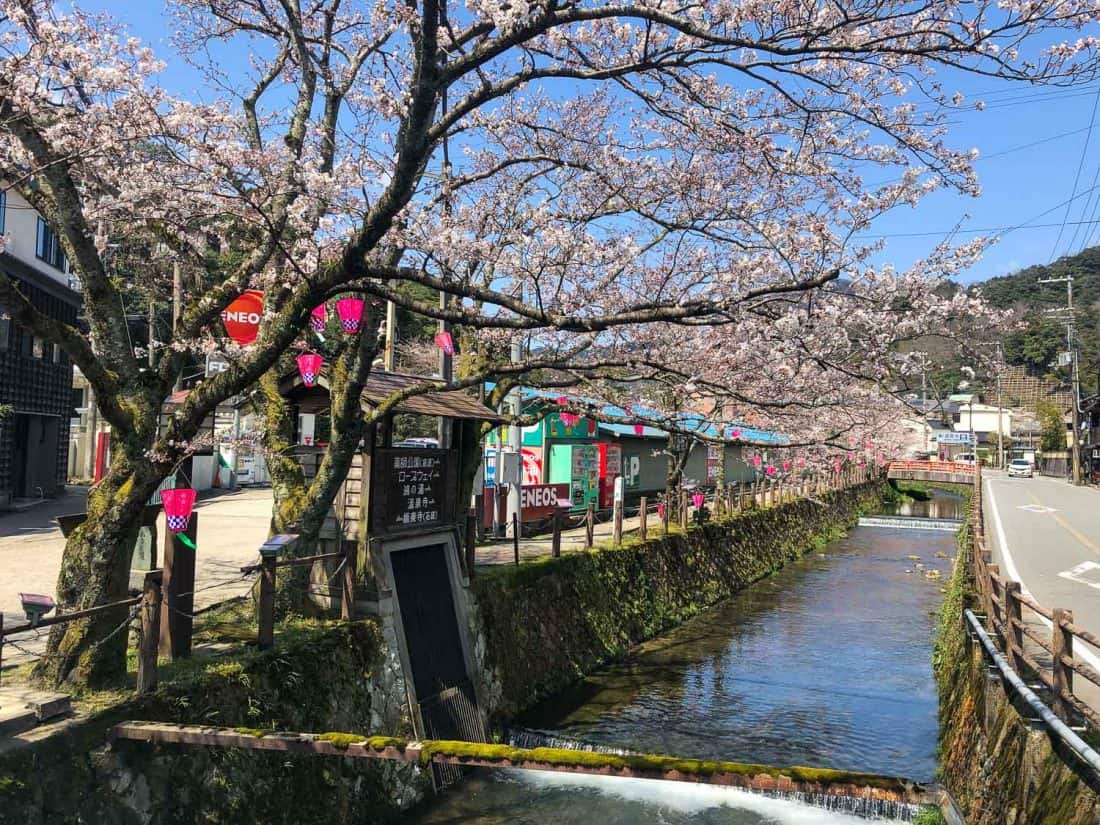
(611,466)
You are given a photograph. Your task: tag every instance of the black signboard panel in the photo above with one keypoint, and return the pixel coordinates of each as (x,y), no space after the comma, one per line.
(412,489)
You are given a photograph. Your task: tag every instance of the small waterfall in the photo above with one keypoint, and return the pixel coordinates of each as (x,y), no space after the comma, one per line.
(856,806)
(865,808)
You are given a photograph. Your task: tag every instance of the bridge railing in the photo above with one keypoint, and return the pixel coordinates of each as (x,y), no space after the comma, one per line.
(956,467)
(1040,641)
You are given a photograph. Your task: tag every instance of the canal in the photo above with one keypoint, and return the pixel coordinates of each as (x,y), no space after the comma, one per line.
(826,663)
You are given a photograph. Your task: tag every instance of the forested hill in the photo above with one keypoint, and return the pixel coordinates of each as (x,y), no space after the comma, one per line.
(1037,346)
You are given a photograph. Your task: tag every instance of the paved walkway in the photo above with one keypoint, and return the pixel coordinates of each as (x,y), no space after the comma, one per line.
(232,525)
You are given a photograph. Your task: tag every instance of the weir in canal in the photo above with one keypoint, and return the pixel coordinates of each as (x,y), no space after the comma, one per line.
(826,663)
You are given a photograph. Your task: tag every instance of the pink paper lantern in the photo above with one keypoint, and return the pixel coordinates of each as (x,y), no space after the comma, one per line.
(801,462)
(836,464)
(851,457)
(771,470)
(562,400)
(350,311)
(318,317)
(660,509)
(570,419)
(757,461)
(639,429)
(309,366)
(178,504)
(591,426)
(697,500)
(445,342)
(786,466)
(735,433)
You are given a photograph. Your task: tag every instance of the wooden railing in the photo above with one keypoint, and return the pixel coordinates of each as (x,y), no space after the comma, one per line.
(1038,641)
(957,467)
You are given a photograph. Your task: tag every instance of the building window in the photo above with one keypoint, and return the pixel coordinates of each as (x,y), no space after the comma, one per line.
(3,207)
(48,247)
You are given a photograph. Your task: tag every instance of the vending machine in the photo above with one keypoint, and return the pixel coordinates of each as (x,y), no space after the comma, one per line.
(577,465)
(611,467)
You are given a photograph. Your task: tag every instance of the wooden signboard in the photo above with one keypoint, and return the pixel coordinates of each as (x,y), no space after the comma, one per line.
(412,489)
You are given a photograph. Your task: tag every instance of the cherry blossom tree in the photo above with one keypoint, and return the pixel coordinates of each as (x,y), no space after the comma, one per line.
(553,167)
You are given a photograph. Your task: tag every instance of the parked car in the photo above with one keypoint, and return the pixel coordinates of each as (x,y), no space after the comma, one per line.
(1020,468)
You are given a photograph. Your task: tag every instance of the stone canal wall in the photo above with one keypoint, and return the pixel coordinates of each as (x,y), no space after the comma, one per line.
(999,769)
(318,678)
(540,626)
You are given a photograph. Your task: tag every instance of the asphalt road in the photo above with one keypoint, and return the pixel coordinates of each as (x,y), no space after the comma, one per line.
(1045,533)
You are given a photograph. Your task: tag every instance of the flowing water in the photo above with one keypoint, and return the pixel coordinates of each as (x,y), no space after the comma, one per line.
(826,663)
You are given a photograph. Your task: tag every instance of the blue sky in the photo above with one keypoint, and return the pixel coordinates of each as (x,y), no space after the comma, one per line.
(1017,186)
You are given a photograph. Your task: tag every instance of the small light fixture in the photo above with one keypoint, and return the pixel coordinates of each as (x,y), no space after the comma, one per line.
(350,311)
(35,606)
(445,342)
(309,365)
(178,504)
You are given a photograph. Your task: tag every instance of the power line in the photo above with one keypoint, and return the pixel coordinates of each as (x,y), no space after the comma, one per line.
(1077,177)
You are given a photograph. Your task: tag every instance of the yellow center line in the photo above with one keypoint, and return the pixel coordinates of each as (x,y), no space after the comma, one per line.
(1086,542)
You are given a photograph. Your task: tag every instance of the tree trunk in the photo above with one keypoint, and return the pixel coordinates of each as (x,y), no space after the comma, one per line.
(95,569)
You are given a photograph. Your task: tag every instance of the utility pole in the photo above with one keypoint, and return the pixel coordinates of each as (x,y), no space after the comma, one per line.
(389,354)
(1000,411)
(1067,312)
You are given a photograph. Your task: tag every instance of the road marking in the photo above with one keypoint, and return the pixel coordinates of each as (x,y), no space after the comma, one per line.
(1036,508)
(1078,574)
(1069,528)
(1014,574)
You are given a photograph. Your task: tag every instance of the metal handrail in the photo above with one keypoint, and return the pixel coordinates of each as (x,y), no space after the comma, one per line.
(1053,723)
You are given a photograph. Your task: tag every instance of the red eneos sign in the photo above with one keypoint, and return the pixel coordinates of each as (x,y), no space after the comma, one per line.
(540,500)
(242,317)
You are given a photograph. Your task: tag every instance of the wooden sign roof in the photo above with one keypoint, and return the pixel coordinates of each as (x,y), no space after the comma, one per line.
(382,385)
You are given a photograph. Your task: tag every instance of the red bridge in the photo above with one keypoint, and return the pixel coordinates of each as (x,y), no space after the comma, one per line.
(952,472)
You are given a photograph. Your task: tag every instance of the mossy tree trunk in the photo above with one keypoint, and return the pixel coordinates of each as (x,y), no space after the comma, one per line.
(299,506)
(95,564)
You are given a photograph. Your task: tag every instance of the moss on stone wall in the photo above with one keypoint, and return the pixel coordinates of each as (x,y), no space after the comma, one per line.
(319,677)
(547,624)
(999,771)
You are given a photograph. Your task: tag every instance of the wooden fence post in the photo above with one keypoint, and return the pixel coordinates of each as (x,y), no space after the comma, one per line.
(994,570)
(266,634)
(1062,645)
(515,536)
(555,542)
(665,517)
(589,525)
(1014,634)
(1,642)
(178,596)
(643,518)
(150,632)
(684,508)
(617,522)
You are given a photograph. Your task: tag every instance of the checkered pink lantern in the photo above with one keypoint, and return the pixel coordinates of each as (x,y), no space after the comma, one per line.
(771,470)
(318,317)
(350,311)
(445,342)
(309,365)
(178,504)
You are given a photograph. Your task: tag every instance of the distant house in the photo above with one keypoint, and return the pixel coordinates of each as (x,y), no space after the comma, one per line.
(983,420)
(36,378)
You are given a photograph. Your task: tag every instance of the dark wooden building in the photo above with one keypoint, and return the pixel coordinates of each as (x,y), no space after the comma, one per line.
(36,385)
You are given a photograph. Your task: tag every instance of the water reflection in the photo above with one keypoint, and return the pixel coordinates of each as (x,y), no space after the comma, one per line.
(826,663)
(942,504)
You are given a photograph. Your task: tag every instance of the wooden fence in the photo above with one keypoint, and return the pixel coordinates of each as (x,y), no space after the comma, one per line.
(1038,641)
